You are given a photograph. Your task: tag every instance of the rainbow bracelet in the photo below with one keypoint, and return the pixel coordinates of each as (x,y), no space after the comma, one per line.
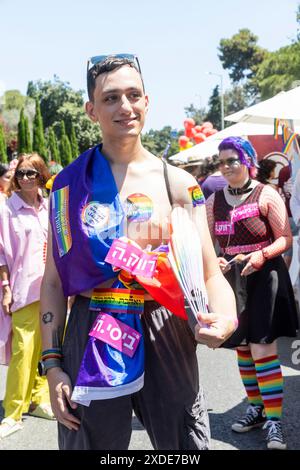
(54,353)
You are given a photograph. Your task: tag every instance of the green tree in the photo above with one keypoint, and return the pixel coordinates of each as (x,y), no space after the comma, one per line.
(65,146)
(22,147)
(60,102)
(38,144)
(279,70)
(235,99)
(52,96)
(241,56)
(198,114)
(87,133)
(157,141)
(10,109)
(74,143)
(3,149)
(28,144)
(13,99)
(214,108)
(53,146)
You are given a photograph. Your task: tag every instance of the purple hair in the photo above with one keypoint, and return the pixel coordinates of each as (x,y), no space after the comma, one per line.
(244,149)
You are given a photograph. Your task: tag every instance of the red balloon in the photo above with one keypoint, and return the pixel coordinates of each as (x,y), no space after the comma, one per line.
(208,132)
(199,137)
(183,140)
(188,123)
(193,132)
(207,124)
(188,132)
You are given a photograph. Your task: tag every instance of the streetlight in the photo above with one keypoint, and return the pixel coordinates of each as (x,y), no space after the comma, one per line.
(221,95)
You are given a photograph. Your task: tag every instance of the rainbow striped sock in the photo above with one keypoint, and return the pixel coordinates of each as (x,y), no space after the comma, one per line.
(248,375)
(270,382)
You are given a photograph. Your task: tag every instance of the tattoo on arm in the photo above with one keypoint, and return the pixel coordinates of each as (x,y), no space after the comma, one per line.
(47,317)
(57,333)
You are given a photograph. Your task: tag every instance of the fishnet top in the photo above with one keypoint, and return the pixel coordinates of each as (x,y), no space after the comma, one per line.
(272,207)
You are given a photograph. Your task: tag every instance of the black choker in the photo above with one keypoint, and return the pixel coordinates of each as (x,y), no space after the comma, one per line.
(238,191)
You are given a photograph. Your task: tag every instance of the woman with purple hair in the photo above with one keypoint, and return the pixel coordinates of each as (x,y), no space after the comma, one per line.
(250,222)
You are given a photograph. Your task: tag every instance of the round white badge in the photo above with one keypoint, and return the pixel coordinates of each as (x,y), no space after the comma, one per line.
(95,214)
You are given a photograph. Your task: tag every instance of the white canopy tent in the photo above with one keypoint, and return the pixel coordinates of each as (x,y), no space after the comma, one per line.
(284,106)
(210,146)
(255,120)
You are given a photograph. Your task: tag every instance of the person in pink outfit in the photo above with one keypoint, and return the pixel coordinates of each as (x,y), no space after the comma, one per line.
(23,235)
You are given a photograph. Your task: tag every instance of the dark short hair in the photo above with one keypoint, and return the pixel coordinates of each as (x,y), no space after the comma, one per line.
(38,164)
(265,169)
(108,65)
(4,168)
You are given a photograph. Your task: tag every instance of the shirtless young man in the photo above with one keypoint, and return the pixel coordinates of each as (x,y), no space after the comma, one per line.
(170,405)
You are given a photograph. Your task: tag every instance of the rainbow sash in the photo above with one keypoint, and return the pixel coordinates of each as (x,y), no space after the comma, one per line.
(108,369)
(86,216)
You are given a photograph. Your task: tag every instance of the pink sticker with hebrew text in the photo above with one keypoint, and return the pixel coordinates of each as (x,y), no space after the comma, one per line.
(116,333)
(244,212)
(131,258)
(223,227)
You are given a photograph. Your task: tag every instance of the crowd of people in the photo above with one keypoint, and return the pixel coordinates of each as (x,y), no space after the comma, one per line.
(118,189)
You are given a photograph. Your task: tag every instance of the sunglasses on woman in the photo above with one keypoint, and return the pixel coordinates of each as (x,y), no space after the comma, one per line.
(30,174)
(229,162)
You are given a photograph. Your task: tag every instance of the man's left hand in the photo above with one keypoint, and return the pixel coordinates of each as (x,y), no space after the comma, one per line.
(215,329)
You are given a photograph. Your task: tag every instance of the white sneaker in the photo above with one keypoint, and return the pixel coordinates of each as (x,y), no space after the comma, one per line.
(9,426)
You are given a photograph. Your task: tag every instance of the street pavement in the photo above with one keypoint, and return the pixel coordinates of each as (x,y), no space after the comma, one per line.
(225,401)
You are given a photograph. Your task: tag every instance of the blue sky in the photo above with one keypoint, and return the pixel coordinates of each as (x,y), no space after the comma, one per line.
(176,42)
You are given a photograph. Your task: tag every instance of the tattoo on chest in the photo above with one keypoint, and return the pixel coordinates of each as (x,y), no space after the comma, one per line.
(138,208)
(47,317)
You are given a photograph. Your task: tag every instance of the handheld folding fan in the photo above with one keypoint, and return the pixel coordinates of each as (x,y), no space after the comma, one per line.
(185,256)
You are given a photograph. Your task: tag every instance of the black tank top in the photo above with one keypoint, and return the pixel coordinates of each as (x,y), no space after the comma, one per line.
(167,182)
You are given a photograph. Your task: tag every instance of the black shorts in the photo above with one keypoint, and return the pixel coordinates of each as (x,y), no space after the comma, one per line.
(170,405)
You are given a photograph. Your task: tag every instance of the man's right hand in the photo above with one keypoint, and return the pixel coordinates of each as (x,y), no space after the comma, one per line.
(60,395)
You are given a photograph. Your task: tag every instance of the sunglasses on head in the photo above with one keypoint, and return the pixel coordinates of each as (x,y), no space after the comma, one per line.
(30,174)
(97,59)
(229,162)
